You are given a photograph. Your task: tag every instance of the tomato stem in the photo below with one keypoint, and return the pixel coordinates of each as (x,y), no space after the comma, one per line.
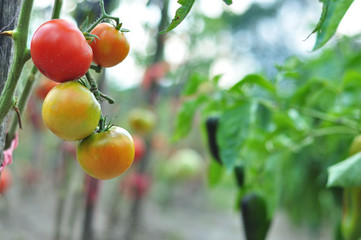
(102,17)
(97,69)
(94,89)
(21,55)
(21,106)
(56,9)
(118,26)
(101,124)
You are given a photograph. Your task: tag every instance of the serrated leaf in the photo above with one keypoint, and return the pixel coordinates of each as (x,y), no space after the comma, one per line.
(215,173)
(185,117)
(233,130)
(331,16)
(253,79)
(346,173)
(180,14)
(228,2)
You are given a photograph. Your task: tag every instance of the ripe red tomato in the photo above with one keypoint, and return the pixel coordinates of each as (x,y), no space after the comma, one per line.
(5,180)
(44,87)
(60,51)
(111,48)
(71,111)
(140,148)
(106,155)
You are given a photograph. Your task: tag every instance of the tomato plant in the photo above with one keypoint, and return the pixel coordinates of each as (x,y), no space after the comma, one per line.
(60,51)
(111,48)
(71,111)
(106,155)
(5,180)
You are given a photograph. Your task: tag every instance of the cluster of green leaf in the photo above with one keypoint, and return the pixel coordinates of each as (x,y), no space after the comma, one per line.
(331,16)
(285,131)
(182,12)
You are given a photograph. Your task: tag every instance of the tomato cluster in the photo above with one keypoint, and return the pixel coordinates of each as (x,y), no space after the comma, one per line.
(70,110)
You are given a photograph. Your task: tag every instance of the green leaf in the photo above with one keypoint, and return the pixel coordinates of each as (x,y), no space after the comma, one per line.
(193,83)
(215,173)
(253,79)
(346,173)
(228,2)
(332,13)
(185,117)
(216,78)
(233,130)
(180,14)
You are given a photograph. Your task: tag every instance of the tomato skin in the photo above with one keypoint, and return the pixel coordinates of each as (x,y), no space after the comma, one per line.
(111,48)
(106,155)
(71,111)
(60,51)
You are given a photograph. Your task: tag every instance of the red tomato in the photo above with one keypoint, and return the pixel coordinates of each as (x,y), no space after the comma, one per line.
(111,48)
(60,51)
(5,180)
(71,111)
(44,87)
(140,148)
(106,155)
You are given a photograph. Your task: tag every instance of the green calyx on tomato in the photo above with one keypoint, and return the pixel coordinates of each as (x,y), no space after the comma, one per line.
(106,155)
(71,111)
(60,51)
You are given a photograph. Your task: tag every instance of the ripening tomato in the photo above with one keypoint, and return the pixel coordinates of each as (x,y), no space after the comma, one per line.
(44,87)
(5,180)
(111,48)
(71,111)
(60,51)
(141,120)
(106,155)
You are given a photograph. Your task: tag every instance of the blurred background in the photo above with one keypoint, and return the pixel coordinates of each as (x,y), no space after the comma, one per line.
(167,193)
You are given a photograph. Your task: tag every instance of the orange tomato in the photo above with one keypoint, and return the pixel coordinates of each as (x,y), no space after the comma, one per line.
(106,155)
(111,48)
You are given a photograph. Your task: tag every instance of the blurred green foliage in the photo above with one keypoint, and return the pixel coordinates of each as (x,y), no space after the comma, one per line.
(287,130)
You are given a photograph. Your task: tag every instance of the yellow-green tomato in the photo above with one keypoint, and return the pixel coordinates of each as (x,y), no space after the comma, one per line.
(142,120)
(106,155)
(71,111)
